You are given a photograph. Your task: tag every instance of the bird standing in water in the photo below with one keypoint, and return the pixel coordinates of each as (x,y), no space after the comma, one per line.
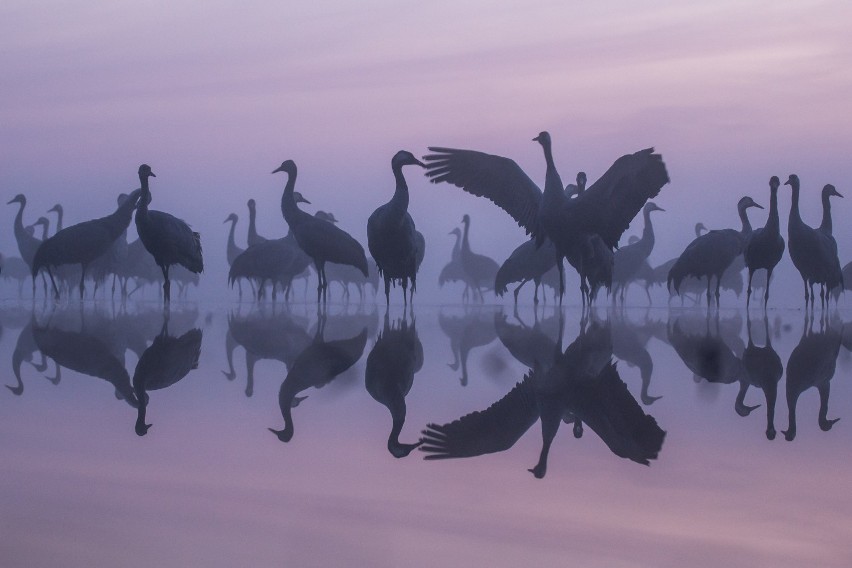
(168,239)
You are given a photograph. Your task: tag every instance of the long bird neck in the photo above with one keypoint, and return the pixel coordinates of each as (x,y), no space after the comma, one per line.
(399,201)
(744,218)
(232,243)
(773,222)
(20,231)
(826,214)
(145,198)
(252,228)
(59,214)
(456,247)
(465,245)
(118,221)
(648,231)
(395,447)
(292,214)
(795,216)
(552,182)
(45,228)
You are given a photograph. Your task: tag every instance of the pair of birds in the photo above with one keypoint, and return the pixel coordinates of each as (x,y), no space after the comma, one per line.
(813,251)
(168,239)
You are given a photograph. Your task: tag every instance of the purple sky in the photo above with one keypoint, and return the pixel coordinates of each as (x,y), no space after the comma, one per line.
(215,96)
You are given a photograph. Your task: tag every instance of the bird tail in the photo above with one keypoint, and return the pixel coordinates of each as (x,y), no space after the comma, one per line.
(501,282)
(676,276)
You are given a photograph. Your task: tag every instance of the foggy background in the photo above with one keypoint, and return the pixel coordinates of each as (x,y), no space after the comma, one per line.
(214,96)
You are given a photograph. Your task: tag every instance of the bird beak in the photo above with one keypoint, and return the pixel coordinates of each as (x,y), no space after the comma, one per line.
(153,175)
(788,182)
(276,170)
(13,200)
(660,209)
(537,139)
(759,206)
(837,193)
(419,163)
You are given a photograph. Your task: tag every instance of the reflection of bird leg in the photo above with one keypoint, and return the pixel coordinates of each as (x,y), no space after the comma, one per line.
(740,406)
(230,345)
(251,359)
(550,420)
(824,423)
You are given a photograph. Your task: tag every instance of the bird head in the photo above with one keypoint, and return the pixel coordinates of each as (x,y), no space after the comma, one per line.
(792,181)
(632,239)
(774,182)
(300,198)
(543,138)
(288,166)
(581,180)
(42,221)
(56,208)
(699,228)
(651,206)
(251,204)
(141,428)
(466,219)
(118,200)
(145,171)
(284,435)
(232,217)
(18,199)
(747,202)
(405,158)
(456,232)
(830,191)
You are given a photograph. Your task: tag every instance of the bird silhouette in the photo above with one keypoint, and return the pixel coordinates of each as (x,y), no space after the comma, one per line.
(466,333)
(232,250)
(25,348)
(629,259)
(27,243)
(811,249)
(765,247)
(480,270)
(711,254)
(705,351)
(168,239)
(453,271)
(85,353)
(812,363)
(168,360)
(828,246)
(391,365)
(278,336)
(763,369)
(527,262)
(391,234)
(320,240)
(602,211)
(316,366)
(629,343)
(84,242)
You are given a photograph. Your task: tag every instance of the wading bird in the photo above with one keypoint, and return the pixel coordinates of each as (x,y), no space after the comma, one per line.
(391,234)
(711,254)
(320,240)
(603,211)
(766,246)
(168,239)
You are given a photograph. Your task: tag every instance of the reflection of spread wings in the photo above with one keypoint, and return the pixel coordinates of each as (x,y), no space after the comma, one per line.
(495,429)
(609,409)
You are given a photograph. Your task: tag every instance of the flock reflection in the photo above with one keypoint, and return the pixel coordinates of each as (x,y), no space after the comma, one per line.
(138,351)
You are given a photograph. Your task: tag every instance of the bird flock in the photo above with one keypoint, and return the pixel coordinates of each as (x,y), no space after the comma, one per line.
(580,224)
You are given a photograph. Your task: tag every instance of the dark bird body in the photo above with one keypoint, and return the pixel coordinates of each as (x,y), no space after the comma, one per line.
(602,212)
(813,251)
(480,271)
(765,247)
(391,235)
(527,262)
(168,360)
(711,254)
(84,242)
(168,239)
(629,259)
(319,239)
(391,365)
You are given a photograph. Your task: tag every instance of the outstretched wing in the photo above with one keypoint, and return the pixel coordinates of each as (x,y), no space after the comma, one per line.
(499,179)
(487,431)
(611,203)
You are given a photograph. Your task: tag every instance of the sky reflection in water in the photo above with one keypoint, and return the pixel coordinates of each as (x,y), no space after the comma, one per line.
(286,439)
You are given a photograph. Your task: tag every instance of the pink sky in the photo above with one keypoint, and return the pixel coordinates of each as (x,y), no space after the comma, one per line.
(214,96)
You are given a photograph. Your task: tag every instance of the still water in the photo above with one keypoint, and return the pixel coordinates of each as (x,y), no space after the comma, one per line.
(229,435)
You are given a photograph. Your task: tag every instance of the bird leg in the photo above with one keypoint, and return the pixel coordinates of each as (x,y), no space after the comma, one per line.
(83,280)
(748,290)
(52,281)
(166,284)
(518,291)
(559,264)
(404,292)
